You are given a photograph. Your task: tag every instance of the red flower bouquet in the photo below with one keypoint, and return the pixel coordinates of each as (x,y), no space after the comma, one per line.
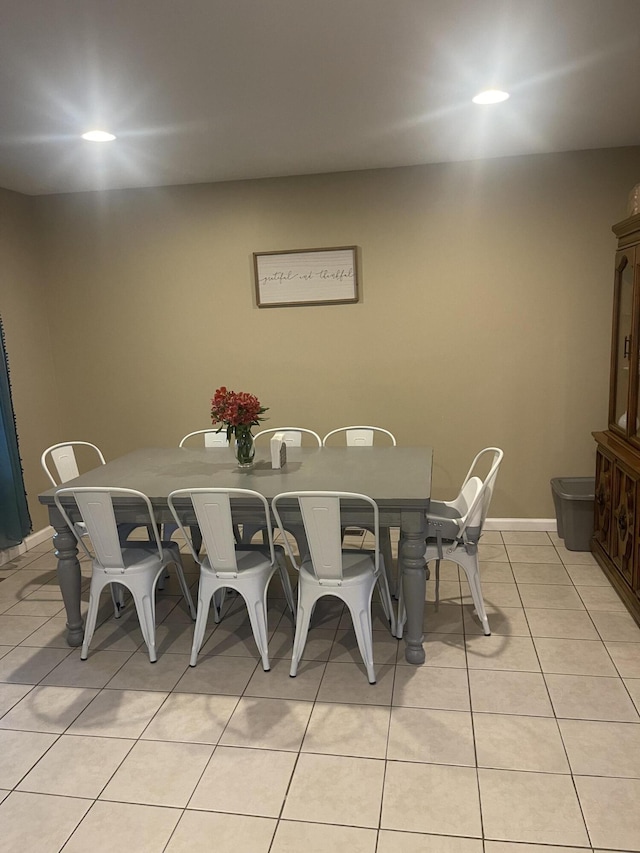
(238,412)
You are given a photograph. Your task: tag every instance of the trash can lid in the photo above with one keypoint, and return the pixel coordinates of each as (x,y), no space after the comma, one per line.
(574,488)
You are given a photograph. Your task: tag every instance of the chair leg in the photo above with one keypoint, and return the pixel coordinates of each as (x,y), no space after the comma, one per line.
(117,596)
(92,615)
(361,617)
(286,582)
(206,591)
(402,611)
(217,600)
(387,604)
(473,577)
(144,600)
(306,604)
(385,596)
(185,590)
(257,609)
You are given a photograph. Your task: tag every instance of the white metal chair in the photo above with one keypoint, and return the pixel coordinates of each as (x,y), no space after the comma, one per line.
(292,438)
(360,436)
(364,436)
(63,458)
(349,575)
(293,435)
(454,529)
(135,566)
(245,569)
(212,437)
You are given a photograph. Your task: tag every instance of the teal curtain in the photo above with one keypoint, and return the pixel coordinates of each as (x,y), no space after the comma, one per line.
(15,522)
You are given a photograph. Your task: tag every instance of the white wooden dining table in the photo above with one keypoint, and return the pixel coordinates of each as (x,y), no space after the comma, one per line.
(397,478)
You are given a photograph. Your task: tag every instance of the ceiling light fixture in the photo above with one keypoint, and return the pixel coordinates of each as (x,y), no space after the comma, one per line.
(98,136)
(490,96)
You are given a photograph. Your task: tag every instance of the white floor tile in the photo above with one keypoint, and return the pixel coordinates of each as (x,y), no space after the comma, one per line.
(240,833)
(452,807)
(432,736)
(519,743)
(611,811)
(191,718)
(361,731)
(77,766)
(336,789)
(268,724)
(48,709)
(590,697)
(537,808)
(405,842)
(39,821)
(19,751)
(159,774)
(244,781)
(295,836)
(145,828)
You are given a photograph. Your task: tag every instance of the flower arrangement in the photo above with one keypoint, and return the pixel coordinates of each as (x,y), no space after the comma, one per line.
(238,412)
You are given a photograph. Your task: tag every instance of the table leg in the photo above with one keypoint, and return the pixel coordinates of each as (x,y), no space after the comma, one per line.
(69,579)
(411,568)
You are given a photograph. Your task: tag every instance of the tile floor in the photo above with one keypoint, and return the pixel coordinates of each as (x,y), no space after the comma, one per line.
(525,741)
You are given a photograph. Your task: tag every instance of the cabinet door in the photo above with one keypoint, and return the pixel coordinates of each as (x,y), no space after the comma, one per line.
(624,367)
(623,532)
(602,524)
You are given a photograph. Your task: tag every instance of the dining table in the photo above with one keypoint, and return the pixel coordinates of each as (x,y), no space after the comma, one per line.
(397,478)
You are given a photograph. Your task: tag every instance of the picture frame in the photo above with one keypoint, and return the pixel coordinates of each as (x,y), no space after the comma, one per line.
(306,277)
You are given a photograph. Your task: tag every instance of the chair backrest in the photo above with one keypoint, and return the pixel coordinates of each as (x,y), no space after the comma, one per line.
(213,512)
(63,458)
(95,506)
(477,493)
(360,436)
(292,435)
(321,517)
(212,437)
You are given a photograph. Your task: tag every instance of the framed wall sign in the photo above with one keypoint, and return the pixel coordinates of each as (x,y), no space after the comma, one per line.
(306,277)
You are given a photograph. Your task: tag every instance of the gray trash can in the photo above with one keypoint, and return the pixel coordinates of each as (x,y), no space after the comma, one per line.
(574,499)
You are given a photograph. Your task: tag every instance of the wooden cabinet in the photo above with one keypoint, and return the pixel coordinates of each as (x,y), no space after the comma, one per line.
(616,538)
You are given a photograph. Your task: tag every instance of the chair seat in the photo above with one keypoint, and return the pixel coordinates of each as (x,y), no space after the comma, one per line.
(249,563)
(357,566)
(133,561)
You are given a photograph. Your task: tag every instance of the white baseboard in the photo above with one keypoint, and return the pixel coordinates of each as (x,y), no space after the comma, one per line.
(29,542)
(525,524)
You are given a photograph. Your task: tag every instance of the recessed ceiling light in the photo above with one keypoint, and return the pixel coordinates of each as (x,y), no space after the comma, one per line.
(98,136)
(490,96)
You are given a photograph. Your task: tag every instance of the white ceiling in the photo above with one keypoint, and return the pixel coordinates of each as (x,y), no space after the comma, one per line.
(215,90)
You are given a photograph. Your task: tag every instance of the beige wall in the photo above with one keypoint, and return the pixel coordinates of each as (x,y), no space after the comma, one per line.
(26,324)
(485,312)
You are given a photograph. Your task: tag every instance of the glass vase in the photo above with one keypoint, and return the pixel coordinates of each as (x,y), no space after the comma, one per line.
(244,447)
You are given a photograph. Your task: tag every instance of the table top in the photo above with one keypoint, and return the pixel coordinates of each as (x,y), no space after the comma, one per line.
(397,478)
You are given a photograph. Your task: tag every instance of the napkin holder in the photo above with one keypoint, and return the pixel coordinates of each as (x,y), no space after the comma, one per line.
(278,451)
